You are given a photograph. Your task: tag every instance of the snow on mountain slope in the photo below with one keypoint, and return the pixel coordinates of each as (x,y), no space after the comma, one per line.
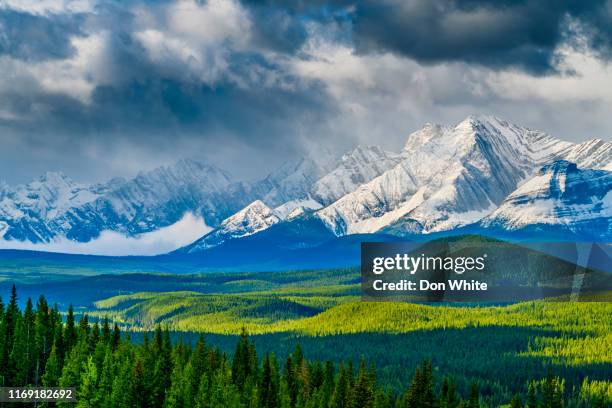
(27,209)
(355,168)
(559,194)
(253,218)
(54,206)
(49,195)
(592,154)
(155,199)
(293,180)
(447,177)
(292,183)
(289,207)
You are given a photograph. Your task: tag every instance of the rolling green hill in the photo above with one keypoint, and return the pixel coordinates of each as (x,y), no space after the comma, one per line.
(500,347)
(318,315)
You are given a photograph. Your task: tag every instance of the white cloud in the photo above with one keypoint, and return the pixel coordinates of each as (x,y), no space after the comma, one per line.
(212,22)
(48,6)
(382,97)
(76,76)
(194,40)
(164,240)
(589,82)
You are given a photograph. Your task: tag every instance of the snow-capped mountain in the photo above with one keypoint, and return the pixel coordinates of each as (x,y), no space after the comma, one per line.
(27,210)
(447,177)
(55,206)
(562,195)
(297,184)
(355,168)
(152,200)
(253,218)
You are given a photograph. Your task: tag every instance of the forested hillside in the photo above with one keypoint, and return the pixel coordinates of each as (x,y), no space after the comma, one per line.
(39,347)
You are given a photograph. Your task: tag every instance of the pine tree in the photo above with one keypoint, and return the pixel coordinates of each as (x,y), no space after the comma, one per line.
(73,367)
(291,380)
(106,378)
(252,364)
(59,343)
(202,399)
(444,393)
(222,392)
(87,395)
(284,399)
(106,335)
(18,364)
(450,398)
(298,355)
(70,337)
(328,383)
(266,382)
(3,346)
(363,395)
(340,395)
(121,388)
(30,351)
(242,361)
(44,335)
(83,332)
(9,322)
(52,369)
(557,401)
(175,396)
(162,368)
(138,387)
(238,369)
(94,337)
(116,337)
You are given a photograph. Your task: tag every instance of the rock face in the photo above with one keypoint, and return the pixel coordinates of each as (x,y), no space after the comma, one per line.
(562,195)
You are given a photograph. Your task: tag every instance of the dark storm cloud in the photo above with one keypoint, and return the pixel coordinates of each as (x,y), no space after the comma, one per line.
(151,100)
(34,38)
(186,89)
(499,34)
(156,104)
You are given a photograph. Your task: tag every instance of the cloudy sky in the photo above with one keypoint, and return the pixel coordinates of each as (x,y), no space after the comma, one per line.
(105,88)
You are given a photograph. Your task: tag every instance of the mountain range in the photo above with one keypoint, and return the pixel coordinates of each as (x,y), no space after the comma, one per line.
(483,174)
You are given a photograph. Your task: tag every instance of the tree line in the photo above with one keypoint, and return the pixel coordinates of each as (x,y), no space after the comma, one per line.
(39,347)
